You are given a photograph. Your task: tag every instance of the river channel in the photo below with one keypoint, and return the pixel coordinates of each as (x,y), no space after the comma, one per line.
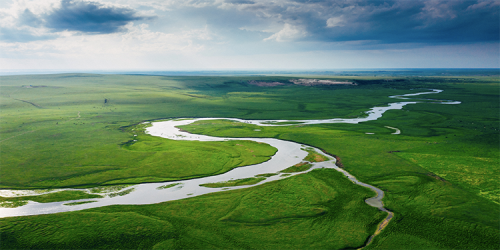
(288,154)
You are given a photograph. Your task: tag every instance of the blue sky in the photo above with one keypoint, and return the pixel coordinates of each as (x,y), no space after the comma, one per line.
(248,34)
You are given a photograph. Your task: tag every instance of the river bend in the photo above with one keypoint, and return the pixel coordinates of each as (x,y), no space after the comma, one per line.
(288,154)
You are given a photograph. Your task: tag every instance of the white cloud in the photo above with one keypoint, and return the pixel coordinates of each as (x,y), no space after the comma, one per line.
(139,39)
(191,30)
(482,4)
(162,42)
(9,14)
(437,9)
(138,48)
(288,33)
(335,22)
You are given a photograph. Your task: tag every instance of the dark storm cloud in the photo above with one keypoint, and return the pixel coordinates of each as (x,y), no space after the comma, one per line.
(81,16)
(424,22)
(408,22)
(89,17)
(240,1)
(389,22)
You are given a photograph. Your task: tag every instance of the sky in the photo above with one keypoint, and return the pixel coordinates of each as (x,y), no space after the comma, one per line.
(248,34)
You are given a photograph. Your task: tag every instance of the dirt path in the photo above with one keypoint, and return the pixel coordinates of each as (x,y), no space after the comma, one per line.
(32,103)
(78,116)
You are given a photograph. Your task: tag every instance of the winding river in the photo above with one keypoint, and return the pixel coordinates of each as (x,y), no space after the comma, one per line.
(288,154)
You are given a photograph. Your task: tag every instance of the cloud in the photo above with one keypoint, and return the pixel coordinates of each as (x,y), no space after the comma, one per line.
(97,28)
(383,22)
(158,42)
(240,2)
(27,20)
(424,22)
(335,21)
(23,35)
(288,33)
(90,17)
(139,40)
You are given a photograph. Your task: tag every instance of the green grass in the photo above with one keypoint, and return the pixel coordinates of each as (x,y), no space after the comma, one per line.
(78,203)
(474,174)
(51,197)
(306,211)
(108,189)
(13,204)
(436,185)
(299,167)
(435,204)
(91,162)
(232,183)
(168,186)
(121,193)
(266,175)
(413,193)
(315,157)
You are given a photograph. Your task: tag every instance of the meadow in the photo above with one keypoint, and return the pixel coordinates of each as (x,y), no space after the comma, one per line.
(78,131)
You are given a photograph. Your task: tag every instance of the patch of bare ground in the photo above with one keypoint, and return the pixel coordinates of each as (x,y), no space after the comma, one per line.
(265,84)
(338,162)
(31,86)
(195,96)
(319,158)
(32,103)
(314,82)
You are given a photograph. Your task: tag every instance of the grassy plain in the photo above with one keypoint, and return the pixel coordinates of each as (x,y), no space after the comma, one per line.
(53,197)
(435,205)
(315,157)
(232,183)
(168,186)
(305,211)
(433,173)
(66,136)
(299,167)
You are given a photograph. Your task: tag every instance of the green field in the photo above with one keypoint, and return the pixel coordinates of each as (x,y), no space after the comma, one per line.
(53,197)
(300,167)
(306,211)
(232,183)
(73,139)
(440,175)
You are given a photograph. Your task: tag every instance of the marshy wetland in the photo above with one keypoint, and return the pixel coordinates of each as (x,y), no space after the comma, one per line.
(433,205)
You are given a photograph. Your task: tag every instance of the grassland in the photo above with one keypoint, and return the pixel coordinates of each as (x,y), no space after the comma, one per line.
(433,173)
(233,183)
(305,211)
(312,156)
(51,197)
(77,203)
(435,205)
(168,186)
(299,167)
(74,139)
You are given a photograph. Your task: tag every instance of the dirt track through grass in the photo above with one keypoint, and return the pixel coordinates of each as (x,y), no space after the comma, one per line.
(32,103)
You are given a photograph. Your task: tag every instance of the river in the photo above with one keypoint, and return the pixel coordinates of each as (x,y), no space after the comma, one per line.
(288,154)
